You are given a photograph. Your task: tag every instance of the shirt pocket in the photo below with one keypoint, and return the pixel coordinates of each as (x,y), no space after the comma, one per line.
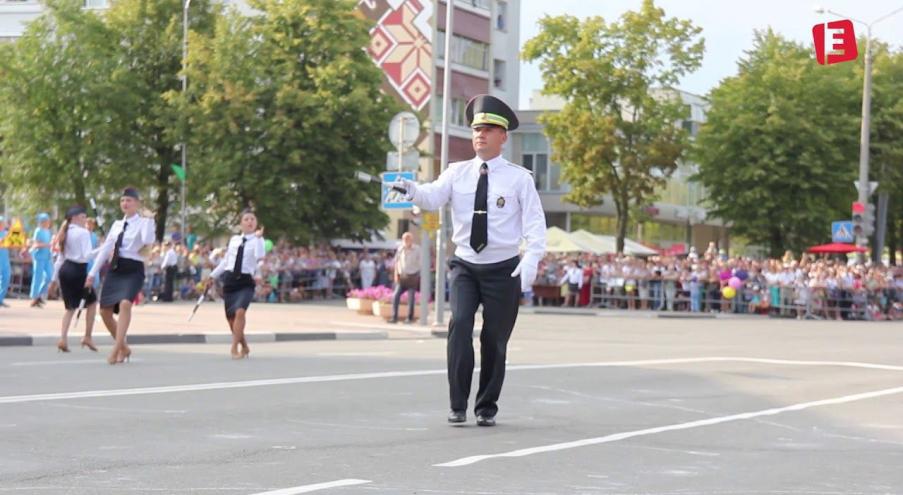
(502,202)
(462,201)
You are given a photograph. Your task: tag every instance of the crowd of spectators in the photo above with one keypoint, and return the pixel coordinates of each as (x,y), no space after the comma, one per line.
(804,287)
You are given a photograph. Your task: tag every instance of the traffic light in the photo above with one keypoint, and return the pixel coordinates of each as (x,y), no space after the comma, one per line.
(863,219)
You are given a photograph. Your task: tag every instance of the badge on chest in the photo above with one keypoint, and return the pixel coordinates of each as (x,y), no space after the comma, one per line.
(500,202)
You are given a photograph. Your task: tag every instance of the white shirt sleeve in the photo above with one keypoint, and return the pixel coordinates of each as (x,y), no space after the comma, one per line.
(261,251)
(106,249)
(149,227)
(533,220)
(434,195)
(221,267)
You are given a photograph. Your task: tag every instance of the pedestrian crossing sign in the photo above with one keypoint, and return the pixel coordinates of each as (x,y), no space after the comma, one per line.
(392,199)
(842,231)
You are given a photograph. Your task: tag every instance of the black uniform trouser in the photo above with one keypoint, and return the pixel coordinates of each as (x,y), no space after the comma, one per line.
(492,286)
(168,283)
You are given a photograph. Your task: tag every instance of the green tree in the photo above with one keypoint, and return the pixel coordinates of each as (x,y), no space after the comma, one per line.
(779,149)
(64,106)
(618,133)
(149,50)
(284,106)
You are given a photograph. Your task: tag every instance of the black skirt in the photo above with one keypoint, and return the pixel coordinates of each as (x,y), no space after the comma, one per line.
(238,292)
(72,285)
(122,284)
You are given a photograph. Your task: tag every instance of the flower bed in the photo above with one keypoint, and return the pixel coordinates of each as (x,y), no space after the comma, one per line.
(361,300)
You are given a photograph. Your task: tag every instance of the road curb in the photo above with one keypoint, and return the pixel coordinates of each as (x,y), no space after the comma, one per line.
(195,338)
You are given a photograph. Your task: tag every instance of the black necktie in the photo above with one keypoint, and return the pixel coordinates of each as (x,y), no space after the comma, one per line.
(479,227)
(236,270)
(115,263)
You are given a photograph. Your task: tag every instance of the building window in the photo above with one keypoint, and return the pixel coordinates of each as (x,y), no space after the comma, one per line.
(458,115)
(96,4)
(467,52)
(554,177)
(501,16)
(457,107)
(482,4)
(498,73)
(539,164)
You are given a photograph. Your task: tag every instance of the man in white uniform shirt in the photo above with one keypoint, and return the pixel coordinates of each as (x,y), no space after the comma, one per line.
(169,265)
(494,207)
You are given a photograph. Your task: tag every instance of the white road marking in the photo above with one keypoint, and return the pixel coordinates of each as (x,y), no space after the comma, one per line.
(616,437)
(121,409)
(15,399)
(97,361)
(312,488)
(353,427)
(355,354)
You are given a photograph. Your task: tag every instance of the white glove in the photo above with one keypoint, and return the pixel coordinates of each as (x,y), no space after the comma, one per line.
(408,185)
(527,270)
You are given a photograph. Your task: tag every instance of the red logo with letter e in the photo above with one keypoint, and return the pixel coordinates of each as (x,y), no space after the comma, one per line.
(841,42)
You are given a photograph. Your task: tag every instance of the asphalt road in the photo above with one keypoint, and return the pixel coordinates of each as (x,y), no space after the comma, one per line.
(590,405)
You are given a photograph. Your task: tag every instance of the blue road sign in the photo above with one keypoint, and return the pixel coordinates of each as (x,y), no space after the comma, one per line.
(842,231)
(394,200)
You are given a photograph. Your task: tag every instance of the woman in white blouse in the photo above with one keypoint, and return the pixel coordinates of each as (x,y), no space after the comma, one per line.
(240,273)
(124,281)
(74,243)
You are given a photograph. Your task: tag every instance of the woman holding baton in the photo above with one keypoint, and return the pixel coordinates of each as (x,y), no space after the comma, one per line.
(240,273)
(126,276)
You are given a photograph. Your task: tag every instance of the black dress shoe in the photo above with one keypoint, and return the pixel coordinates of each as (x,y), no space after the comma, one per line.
(457,416)
(485,421)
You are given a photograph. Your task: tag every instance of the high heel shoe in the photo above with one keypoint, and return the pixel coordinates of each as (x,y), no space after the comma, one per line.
(113,358)
(125,355)
(234,352)
(62,346)
(89,344)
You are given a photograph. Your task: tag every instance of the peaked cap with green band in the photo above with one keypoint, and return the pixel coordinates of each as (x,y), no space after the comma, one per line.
(489,110)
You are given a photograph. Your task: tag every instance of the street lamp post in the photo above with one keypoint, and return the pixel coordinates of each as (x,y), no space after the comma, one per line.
(443,163)
(864,136)
(184,88)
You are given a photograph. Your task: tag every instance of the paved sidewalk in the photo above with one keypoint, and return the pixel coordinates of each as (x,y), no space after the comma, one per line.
(167,323)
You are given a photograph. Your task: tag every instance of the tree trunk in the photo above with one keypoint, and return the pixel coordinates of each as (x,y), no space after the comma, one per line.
(162,201)
(80,195)
(892,240)
(622,215)
(776,243)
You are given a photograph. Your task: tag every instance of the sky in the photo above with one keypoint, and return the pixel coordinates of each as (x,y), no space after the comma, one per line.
(727,26)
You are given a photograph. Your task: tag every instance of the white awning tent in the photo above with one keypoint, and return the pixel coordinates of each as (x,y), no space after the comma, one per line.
(559,241)
(374,243)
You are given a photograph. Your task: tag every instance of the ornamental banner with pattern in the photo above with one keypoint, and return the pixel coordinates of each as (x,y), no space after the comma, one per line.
(401,45)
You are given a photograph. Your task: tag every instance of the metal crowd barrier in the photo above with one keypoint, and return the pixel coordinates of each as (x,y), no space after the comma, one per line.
(774,301)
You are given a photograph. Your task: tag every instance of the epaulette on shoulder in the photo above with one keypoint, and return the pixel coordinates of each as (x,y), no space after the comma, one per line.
(525,169)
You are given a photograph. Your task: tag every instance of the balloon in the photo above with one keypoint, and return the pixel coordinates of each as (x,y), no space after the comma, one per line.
(742,275)
(728,292)
(735,283)
(267,245)
(725,275)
